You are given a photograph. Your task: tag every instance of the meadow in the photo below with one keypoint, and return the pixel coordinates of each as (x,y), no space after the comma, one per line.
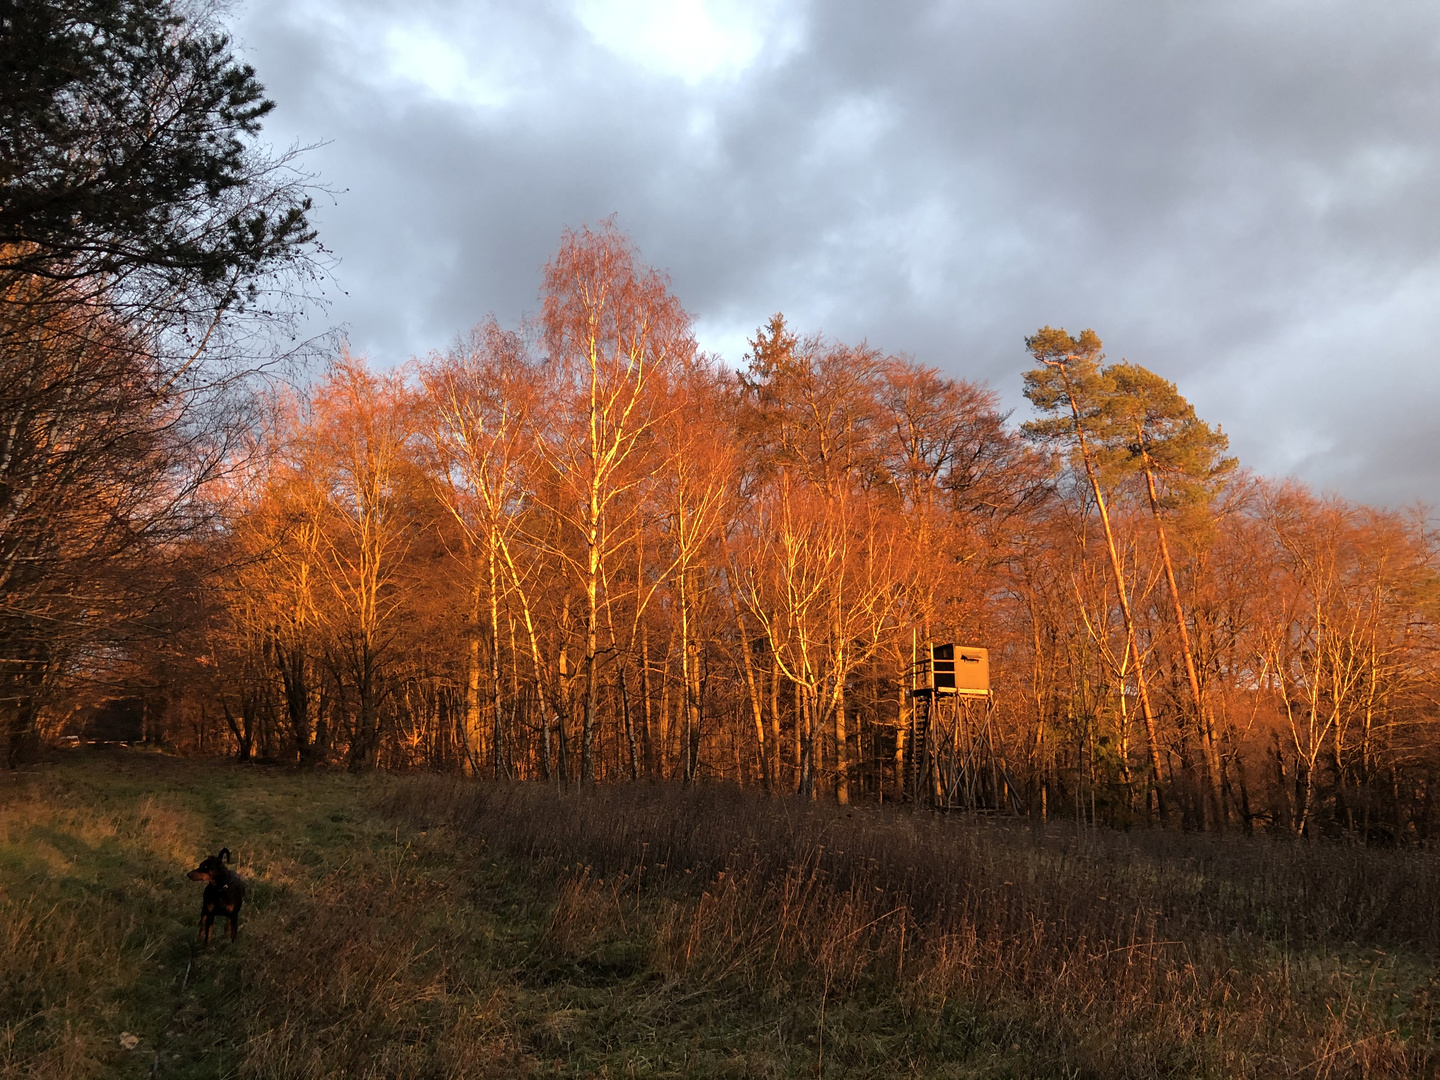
(422,926)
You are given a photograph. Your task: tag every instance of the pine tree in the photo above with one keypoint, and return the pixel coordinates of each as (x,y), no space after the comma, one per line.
(1147,428)
(1070,380)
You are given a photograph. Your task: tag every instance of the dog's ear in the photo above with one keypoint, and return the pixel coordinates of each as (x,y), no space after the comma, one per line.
(224,854)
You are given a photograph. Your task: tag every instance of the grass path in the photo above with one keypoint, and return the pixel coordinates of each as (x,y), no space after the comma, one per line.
(349,944)
(99,919)
(366,949)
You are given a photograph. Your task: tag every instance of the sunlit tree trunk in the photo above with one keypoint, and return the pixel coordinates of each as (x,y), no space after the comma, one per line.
(1208,748)
(474,747)
(756,709)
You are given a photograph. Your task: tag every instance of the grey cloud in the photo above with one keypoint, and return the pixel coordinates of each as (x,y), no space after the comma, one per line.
(1242,195)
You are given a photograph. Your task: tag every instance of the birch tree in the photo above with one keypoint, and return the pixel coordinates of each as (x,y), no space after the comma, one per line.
(362,428)
(477,415)
(613,332)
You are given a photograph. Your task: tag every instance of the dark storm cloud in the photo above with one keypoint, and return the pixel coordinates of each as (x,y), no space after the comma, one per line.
(1243,196)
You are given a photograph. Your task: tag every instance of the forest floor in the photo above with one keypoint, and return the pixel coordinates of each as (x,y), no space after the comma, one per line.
(416,926)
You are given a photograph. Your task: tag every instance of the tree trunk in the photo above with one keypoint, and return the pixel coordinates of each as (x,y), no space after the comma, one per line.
(293,675)
(592,640)
(496,736)
(1202,717)
(629,727)
(842,756)
(645,693)
(662,746)
(241,731)
(473,745)
(806,697)
(775,720)
(798,739)
(756,709)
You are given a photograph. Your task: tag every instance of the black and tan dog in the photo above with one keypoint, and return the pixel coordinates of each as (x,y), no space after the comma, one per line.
(224,893)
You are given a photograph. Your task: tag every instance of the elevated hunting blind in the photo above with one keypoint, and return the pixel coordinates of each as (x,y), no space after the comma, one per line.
(951,758)
(950,669)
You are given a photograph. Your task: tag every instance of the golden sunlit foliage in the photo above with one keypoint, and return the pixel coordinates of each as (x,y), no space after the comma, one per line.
(582,551)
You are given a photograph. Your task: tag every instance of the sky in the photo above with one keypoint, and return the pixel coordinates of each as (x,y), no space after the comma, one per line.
(1242,195)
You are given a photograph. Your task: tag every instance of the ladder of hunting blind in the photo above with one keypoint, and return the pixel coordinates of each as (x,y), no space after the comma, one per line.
(919,754)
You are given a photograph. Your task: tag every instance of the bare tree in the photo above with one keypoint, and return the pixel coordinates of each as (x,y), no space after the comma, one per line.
(613,331)
(478,402)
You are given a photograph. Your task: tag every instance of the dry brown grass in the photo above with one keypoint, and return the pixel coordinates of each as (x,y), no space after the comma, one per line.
(422,927)
(1102,953)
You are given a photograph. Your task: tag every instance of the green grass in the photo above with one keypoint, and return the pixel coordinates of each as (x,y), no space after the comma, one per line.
(413,926)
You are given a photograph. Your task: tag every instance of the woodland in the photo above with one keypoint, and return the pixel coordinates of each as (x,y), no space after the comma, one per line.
(579,550)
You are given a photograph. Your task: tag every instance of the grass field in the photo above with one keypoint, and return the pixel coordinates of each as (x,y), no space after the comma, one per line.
(421,927)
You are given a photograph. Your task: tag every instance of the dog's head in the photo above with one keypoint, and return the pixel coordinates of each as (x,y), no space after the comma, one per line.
(211,868)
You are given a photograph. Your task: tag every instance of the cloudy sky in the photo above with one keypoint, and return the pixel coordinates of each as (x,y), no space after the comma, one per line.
(1243,195)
